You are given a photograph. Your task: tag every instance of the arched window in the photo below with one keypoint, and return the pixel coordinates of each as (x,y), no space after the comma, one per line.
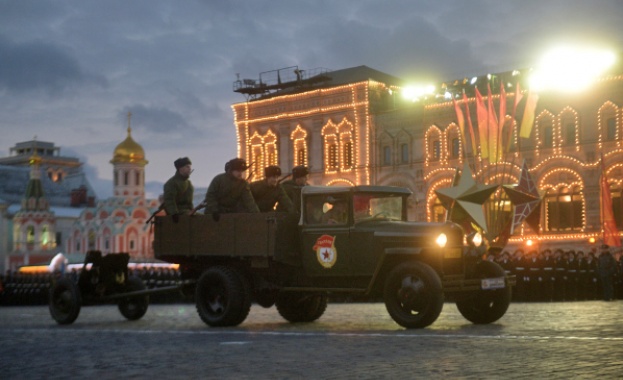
(564,209)
(299,143)
(30,235)
(436,150)
(617,203)
(439,212)
(126,178)
(387,155)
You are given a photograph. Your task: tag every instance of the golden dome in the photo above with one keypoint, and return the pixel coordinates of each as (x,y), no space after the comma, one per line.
(129,151)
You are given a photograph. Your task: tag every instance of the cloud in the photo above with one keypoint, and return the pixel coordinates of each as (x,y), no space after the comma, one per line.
(40,65)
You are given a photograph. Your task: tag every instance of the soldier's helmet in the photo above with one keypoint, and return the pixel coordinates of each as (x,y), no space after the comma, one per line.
(236,164)
(272,171)
(300,171)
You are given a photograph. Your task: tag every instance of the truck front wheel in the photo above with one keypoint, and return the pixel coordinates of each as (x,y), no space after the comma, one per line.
(301,307)
(223,297)
(486,306)
(413,295)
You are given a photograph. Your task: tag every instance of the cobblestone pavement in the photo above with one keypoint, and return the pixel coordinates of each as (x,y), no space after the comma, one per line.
(351,341)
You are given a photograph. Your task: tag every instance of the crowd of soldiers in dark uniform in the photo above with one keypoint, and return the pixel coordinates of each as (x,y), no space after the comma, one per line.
(561,275)
(17,288)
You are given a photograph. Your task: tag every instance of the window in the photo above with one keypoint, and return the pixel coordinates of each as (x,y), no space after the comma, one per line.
(439,212)
(45,236)
(301,154)
(116,178)
(548,137)
(348,155)
(611,129)
(333,161)
(455,147)
(437,149)
(138,178)
(30,235)
(564,210)
(387,155)
(617,204)
(569,136)
(59,239)
(404,153)
(125,178)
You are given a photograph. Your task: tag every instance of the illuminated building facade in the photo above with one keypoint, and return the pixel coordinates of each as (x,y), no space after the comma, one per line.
(357,130)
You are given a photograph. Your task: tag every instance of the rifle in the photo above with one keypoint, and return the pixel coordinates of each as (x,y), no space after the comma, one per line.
(284,178)
(199,207)
(160,208)
(251,172)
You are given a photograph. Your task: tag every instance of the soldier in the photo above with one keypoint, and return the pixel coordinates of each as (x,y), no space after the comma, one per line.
(607,267)
(549,279)
(229,192)
(293,187)
(338,214)
(178,190)
(268,192)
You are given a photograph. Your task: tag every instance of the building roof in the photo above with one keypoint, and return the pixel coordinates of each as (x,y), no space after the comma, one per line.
(14,181)
(129,151)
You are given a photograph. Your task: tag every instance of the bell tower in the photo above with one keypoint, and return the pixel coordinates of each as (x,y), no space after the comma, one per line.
(129,167)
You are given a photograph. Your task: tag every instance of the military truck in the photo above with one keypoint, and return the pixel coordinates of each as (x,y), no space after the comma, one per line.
(347,241)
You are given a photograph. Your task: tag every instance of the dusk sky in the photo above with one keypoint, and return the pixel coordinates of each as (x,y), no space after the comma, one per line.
(70,70)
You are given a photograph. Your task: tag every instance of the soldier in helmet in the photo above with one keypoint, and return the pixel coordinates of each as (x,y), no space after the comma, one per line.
(229,192)
(293,187)
(178,190)
(268,192)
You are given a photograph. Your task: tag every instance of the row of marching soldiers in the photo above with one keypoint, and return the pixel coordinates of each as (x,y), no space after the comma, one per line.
(560,275)
(17,288)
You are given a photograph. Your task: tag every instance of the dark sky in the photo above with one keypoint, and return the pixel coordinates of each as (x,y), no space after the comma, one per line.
(70,70)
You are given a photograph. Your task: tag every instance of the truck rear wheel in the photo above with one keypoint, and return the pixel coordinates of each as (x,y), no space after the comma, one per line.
(413,295)
(134,308)
(222,297)
(486,306)
(301,307)
(65,301)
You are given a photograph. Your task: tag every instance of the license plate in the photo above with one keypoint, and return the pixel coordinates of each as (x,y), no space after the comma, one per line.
(492,283)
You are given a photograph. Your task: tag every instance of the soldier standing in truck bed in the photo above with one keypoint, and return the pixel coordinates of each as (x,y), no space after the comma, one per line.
(293,187)
(229,192)
(268,192)
(178,190)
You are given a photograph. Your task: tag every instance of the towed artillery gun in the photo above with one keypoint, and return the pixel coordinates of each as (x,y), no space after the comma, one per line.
(102,280)
(350,241)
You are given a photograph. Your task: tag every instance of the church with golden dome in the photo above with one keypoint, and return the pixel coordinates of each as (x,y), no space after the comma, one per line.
(117,224)
(47,205)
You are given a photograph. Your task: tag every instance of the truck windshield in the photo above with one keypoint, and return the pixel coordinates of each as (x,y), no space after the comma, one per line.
(377,206)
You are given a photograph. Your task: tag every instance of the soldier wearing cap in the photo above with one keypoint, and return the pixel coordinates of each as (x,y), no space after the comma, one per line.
(607,267)
(178,190)
(268,192)
(229,192)
(293,187)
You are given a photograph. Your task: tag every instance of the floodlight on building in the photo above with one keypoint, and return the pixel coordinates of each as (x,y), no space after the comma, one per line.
(474,80)
(570,68)
(415,93)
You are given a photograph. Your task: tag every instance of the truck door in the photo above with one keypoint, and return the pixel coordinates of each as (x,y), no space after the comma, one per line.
(325,235)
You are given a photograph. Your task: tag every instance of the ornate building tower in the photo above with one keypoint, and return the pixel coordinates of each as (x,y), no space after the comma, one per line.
(117,224)
(129,167)
(34,223)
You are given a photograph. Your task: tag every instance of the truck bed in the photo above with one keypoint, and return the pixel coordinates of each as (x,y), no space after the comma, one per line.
(273,235)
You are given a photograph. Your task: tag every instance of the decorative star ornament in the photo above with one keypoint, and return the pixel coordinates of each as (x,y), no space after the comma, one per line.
(464,200)
(527,199)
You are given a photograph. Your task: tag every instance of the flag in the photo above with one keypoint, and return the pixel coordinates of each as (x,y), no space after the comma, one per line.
(483,121)
(461,121)
(611,233)
(528,115)
(493,127)
(518,97)
(473,135)
(502,116)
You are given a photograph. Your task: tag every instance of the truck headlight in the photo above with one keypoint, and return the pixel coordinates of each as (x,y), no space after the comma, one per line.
(474,239)
(441,240)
